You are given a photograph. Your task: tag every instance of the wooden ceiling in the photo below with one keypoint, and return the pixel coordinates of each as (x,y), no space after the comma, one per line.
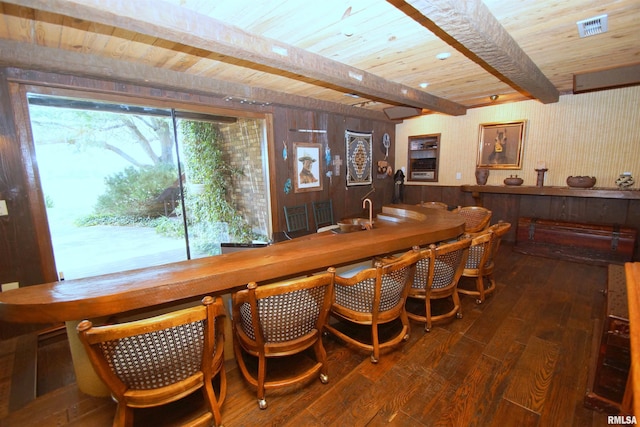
(358,56)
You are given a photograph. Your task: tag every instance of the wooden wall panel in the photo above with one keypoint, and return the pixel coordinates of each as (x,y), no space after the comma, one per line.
(633,213)
(503,210)
(347,201)
(536,206)
(21,252)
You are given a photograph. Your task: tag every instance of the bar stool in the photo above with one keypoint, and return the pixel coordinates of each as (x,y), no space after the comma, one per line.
(373,297)
(480,263)
(161,359)
(277,320)
(476,218)
(437,274)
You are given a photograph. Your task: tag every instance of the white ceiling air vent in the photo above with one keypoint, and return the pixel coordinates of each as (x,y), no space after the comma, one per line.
(592,26)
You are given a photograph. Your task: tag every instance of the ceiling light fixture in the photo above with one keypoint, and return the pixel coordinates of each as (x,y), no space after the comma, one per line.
(347,28)
(443,55)
(347,31)
(494,97)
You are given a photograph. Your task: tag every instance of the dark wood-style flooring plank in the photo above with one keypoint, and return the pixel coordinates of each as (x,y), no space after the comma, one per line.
(512,330)
(58,408)
(473,396)
(511,414)
(384,399)
(494,311)
(429,389)
(345,400)
(500,380)
(569,380)
(529,384)
(404,382)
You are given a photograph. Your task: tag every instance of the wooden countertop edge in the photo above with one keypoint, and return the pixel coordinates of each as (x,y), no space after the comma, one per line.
(595,192)
(632,273)
(130,290)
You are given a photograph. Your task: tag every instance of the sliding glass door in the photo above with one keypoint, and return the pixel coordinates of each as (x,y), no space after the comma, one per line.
(132,186)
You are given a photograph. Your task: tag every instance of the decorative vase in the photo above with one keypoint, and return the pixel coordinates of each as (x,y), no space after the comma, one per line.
(625,180)
(513,180)
(581,181)
(482,174)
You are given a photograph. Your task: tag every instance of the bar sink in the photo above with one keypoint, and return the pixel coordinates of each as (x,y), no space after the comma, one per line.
(349,225)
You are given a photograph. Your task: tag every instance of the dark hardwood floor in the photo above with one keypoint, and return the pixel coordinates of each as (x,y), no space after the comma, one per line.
(519,359)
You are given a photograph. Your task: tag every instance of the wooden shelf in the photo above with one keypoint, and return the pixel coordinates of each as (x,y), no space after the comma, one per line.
(423,158)
(602,193)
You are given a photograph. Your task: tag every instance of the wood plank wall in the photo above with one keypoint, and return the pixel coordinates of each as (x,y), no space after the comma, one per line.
(346,200)
(20,255)
(25,250)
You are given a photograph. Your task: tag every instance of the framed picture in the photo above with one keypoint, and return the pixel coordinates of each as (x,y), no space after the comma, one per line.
(359,158)
(307,167)
(500,145)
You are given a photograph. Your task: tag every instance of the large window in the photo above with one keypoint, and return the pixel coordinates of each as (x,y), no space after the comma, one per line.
(129,186)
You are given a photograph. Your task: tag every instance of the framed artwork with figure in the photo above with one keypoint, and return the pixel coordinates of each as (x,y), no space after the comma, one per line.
(500,145)
(307,167)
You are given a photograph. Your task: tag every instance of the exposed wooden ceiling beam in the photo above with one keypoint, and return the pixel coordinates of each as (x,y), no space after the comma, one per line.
(469,26)
(24,55)
(180,25)
(607,79)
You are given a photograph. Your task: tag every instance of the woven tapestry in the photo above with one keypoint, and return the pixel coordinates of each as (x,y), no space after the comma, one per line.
(359,158)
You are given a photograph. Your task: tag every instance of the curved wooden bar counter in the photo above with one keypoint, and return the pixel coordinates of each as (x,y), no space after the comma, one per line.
(397,228)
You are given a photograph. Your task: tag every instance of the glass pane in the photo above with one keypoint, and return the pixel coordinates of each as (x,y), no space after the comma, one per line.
(110,183)
(114,183)
(225,182)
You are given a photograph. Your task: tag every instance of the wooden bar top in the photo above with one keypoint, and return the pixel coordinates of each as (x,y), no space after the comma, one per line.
(404,227)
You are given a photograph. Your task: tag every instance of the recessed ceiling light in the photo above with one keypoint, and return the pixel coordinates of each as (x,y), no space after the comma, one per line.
(443,55)
(424,85)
